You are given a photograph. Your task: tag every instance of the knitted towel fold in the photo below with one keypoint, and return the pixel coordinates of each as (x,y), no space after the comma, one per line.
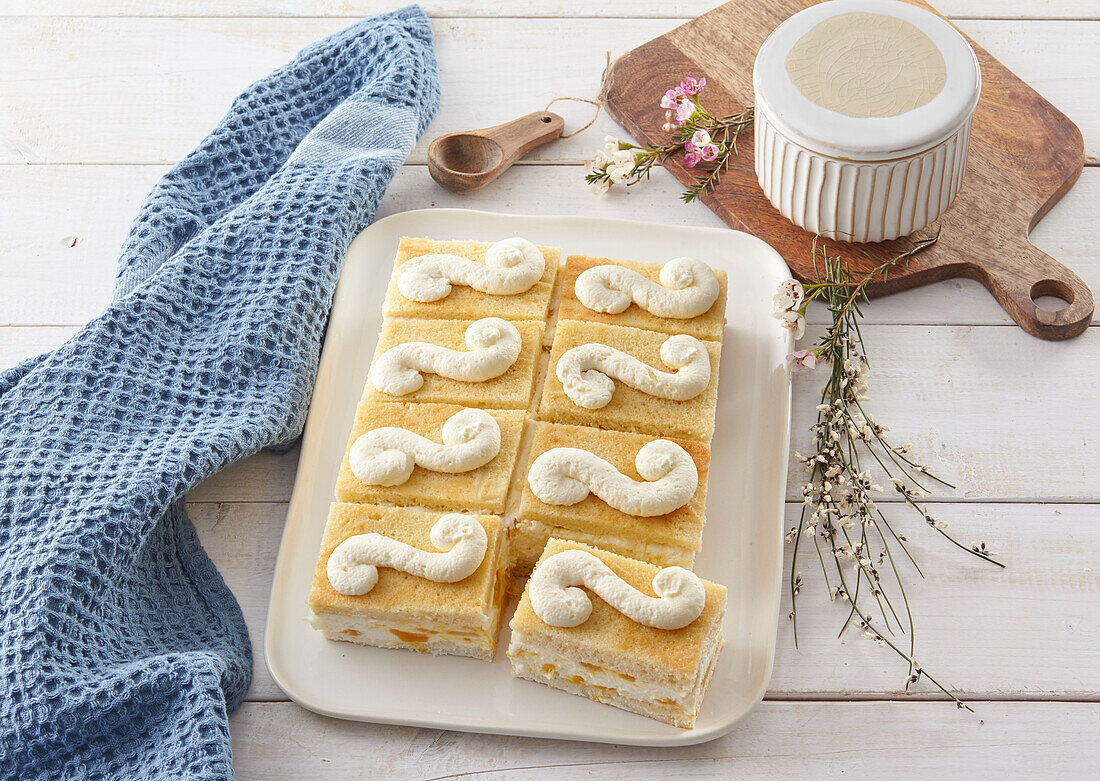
(121,649)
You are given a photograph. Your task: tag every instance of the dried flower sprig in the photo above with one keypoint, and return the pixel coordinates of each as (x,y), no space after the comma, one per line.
(705,140)
(838,512)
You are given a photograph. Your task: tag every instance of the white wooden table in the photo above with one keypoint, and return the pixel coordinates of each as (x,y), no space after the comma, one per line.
(98,99)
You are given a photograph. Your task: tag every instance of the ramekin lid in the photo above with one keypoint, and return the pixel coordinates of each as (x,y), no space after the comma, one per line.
(866,79)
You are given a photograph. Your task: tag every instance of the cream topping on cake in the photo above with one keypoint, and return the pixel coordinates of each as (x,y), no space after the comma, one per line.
(493,345)
(386,456)
(688,288)
(353,565)
(566,475)
(556,599)
(511,266)
(587,372)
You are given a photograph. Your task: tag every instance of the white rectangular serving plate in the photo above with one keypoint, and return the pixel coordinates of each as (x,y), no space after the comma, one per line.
(742,542)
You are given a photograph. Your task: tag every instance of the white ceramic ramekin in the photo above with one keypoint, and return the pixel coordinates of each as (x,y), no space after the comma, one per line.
(863,114)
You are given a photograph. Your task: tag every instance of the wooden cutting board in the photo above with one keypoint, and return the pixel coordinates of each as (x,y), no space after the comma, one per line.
(1024,156)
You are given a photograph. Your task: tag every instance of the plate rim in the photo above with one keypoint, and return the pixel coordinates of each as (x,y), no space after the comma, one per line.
(684,737)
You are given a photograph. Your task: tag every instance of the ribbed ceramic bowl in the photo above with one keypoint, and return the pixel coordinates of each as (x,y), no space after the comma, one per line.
(863,114)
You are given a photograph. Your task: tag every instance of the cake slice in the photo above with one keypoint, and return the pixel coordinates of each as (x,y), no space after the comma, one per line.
(433,273)
(444,456)
(443,596)
(598,288)
(640,650)
(489,362)
(669,538)
(649,382)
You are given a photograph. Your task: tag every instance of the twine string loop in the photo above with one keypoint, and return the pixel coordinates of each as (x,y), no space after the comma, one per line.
(585,126)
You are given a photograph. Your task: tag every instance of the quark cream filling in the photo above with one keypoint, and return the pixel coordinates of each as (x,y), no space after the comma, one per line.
(511,266)
(528,659)
(353,566)
(369,632)
(566,475)
(588,372)
(688,288)
(493,345)
(386,456)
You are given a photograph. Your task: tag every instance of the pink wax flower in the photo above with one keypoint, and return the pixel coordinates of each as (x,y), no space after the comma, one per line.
(684,111)
(692,86)
(679,108)
(802,359)
(701,143)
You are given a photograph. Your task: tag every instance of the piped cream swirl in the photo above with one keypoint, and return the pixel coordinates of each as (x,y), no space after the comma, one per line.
(511,266)
(688,288)
(587,372)
(493,345)
(386,456)
(566,475)
(353,566)
(556,599)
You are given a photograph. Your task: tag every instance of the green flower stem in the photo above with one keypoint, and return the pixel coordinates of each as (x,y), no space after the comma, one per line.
(839,490)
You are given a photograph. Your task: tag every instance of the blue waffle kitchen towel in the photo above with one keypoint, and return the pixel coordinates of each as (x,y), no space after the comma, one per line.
(121,649)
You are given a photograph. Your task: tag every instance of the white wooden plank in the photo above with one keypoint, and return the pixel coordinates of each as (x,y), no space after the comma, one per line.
(152,88)
(1036,619)
(265,477)
(16,344)
(243,541)
(63,226)
(1027,631)
(992,9)
(776,740)
(1000,414)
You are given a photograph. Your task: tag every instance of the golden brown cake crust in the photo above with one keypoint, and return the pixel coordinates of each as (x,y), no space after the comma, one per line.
(465,302)
(616,641)
(483,489)
(682,528)
(511,390)
(629,409)
(528,537)
(708,325)
(399,595)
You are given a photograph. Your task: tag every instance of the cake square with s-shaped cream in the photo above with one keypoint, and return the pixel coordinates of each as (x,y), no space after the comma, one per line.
(489,362)
(628,379)
(653,494)
(455,279)
(682,296)
(444,456)
(618,631)
(402,577)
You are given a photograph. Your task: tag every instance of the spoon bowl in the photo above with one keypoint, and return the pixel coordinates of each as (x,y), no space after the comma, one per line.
(467,153)
(466,161)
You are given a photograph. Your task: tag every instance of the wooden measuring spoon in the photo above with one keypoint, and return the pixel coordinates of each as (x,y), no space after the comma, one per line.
(469,160)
